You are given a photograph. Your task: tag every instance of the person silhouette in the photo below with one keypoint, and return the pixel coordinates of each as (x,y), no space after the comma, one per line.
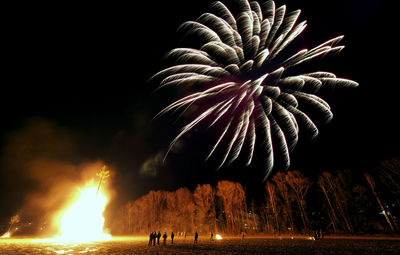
(196,236)
(211,236)
(158,237)
(172,237)
(150,238)
(165,238)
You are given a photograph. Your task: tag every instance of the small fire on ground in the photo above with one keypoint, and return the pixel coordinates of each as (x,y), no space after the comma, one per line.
(6,235)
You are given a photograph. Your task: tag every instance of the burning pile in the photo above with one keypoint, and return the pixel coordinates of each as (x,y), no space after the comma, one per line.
(84,221)
(14,220)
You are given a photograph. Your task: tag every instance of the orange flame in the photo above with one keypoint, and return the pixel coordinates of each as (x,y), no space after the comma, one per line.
(84,221)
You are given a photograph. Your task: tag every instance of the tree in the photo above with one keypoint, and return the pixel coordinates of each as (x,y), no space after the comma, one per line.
(233,199)
(384,209)
(254,212)
(389,173)
(287,198)
(271,199)
(186,209)
(300,185)
(170,211)
(338,195)
(325,185)
(14,220)
(204,200)
(103,174)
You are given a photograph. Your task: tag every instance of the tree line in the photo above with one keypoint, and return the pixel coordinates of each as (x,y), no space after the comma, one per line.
(338,202)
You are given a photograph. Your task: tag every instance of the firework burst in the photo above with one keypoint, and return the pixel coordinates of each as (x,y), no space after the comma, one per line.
(241,69)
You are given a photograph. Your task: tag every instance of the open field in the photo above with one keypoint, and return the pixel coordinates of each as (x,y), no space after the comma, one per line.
(234,246)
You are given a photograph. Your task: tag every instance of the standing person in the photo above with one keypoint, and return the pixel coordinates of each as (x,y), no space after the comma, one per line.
(150,238)
(154,238)
(158,237)
(165,238)
(196,236)
(211,236)
(172,237)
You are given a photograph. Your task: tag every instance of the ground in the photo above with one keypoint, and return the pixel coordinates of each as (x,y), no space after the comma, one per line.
(231,246)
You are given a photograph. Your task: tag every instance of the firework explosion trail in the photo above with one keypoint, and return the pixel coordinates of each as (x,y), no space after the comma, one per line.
(239,67)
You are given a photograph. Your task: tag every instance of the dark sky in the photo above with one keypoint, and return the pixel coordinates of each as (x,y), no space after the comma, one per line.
(81,71)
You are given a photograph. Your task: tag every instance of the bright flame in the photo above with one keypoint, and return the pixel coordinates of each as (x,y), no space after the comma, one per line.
(6,235)
(218,237)
(84,220)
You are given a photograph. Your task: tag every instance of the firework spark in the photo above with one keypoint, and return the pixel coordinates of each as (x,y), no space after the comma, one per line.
(241,69)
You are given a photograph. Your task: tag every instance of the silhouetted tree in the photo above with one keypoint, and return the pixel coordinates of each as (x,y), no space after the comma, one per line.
(349,199)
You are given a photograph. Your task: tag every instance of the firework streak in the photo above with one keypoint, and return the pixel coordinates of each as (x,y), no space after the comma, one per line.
(241,69)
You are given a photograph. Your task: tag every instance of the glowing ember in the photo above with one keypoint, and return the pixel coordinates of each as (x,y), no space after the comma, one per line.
(218,237)
(84,220)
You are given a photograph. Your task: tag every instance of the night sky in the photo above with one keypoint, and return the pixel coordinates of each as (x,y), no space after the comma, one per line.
(75,89)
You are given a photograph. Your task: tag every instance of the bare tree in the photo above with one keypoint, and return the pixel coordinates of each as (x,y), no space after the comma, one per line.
(204,200)
(323,183)
(271,199)
(287,197)
(254,217)
(389,172)
(234,204)
(185,209)
(104,173)
(300,185)
(385,210)
(337,197)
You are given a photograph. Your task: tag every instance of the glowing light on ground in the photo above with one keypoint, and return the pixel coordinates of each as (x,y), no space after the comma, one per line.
(218,237)
(84,221)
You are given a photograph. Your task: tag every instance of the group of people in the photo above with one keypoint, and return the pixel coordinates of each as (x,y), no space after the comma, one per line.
(154,236)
